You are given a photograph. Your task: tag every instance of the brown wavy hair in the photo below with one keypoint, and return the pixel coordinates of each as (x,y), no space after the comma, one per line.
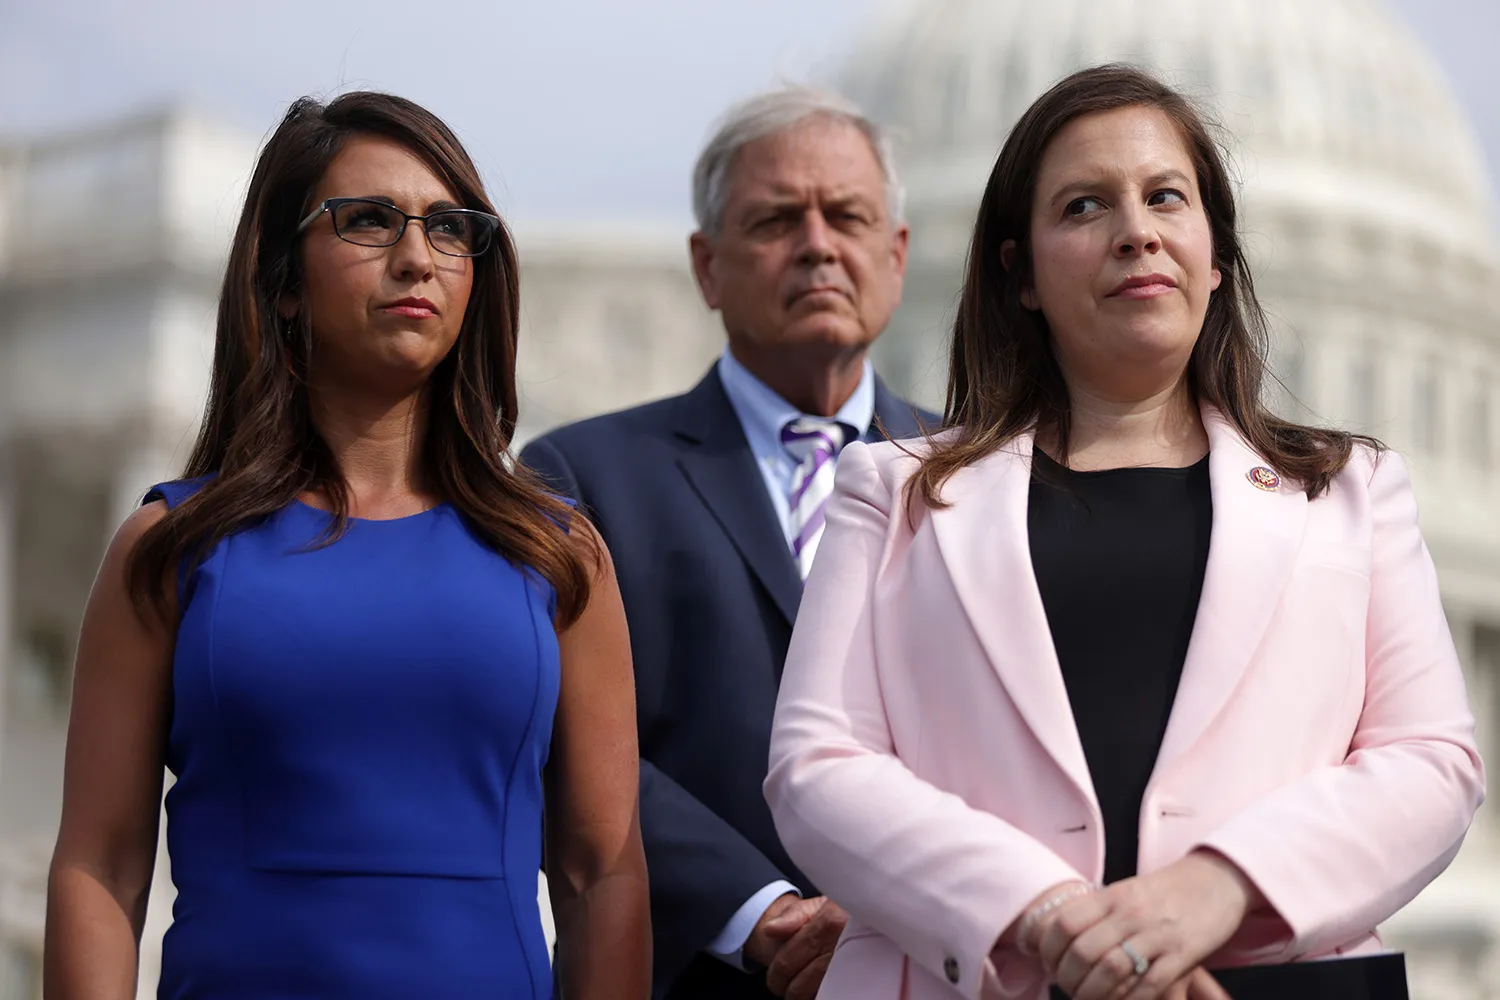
(258,442)
(1003,376)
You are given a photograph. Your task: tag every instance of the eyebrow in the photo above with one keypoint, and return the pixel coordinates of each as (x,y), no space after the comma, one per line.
(754,209)
(780,202)
(441,205)
(851,200)
(1074,188)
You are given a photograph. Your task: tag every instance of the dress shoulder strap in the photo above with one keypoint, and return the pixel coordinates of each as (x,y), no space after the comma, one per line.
(565,522)
(175,491)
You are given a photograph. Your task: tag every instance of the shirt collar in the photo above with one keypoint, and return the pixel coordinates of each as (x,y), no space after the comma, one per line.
(763,413)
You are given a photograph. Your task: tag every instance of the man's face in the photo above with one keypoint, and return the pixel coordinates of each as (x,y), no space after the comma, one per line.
(808,258)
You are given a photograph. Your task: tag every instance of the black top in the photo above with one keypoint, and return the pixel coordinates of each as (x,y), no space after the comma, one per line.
(1119,557)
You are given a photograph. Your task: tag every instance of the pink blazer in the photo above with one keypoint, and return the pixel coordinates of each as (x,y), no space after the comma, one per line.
(926,773)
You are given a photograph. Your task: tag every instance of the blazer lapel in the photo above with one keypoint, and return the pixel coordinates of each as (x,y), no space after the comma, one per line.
(719,466)
(1253,547)
(985,544)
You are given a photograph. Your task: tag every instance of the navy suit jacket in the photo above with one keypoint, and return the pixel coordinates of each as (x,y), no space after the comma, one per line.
(710,591)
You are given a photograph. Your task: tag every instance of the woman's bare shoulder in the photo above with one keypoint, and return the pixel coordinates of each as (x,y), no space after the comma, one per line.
(140,521)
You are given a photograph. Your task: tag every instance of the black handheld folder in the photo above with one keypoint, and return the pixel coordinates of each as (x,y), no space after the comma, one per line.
(1376,977)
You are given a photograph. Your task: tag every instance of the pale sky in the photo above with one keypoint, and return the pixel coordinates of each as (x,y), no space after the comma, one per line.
(574,109)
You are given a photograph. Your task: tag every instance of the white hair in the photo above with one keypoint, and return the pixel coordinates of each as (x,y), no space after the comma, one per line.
(774,113)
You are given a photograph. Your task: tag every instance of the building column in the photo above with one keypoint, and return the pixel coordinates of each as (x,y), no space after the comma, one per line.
(1482,674)
(9,511)
(143,464)
(1467,625)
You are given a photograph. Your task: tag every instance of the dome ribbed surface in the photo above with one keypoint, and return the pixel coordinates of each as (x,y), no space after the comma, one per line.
(1329,103)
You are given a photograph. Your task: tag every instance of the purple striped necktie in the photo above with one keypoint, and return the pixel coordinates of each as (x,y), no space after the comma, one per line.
(813,444)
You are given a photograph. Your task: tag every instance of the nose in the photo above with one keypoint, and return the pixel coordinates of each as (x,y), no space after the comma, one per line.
(1136,232)
(411,256)
(817,240)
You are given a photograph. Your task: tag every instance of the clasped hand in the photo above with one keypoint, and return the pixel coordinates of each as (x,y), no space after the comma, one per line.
(1173,919)
(794,941)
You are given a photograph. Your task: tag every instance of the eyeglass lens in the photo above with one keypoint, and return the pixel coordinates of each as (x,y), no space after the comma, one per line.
(371,224)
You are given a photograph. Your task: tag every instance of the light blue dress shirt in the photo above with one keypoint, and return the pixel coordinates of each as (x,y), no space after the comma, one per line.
(762,414)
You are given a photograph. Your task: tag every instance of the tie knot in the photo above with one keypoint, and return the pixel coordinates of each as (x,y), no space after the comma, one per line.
(806,437)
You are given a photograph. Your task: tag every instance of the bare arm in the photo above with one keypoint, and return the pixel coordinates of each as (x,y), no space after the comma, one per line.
(106,847)
(596,868)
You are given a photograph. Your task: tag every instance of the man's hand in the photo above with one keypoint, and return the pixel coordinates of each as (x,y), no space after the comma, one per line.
(761,947)
(806,932)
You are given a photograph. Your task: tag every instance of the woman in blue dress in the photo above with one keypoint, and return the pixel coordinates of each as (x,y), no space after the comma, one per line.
(384,665)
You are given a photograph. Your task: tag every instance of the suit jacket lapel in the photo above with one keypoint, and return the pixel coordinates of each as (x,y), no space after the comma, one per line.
(899,418)
(1253,547)
(719,466)
(985,544)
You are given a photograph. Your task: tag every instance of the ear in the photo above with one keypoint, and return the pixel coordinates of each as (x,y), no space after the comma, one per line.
(701,250)
(288,305)
(1214,280)
(899,247)
(1008,261)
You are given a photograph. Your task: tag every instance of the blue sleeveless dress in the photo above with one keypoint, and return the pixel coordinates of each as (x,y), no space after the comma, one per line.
(358,734)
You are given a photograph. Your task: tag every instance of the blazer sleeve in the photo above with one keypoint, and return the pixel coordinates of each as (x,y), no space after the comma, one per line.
(1341,849)
(702,870)
(940,879)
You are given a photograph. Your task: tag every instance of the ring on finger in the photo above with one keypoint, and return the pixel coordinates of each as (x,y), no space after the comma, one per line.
(1141,963)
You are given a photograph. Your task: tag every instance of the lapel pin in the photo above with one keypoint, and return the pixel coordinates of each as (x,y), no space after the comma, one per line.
(1264,478)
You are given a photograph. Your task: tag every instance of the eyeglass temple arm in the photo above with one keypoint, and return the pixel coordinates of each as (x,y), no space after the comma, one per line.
(312,217)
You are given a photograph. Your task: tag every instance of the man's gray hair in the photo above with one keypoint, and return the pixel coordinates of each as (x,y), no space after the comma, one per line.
(771,114)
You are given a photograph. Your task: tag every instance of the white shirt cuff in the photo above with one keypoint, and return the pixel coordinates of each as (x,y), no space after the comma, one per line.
(729,946)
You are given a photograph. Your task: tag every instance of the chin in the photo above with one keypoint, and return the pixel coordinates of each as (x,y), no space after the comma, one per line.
(414,348)
(404,356)
(403,369)
(834,333)
(1148,340)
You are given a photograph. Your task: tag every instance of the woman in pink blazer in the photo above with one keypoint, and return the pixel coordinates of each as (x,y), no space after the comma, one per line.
(1119,677)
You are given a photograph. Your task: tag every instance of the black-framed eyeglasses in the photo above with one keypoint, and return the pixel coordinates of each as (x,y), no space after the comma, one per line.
(457,232)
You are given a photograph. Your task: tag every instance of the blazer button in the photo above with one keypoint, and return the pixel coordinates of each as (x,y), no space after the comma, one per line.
(950,969)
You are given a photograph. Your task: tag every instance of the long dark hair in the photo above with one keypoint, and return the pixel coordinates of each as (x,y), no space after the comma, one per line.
(257,439)
(1003,377)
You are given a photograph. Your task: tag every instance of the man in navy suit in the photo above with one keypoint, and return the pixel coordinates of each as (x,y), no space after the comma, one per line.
(712,506)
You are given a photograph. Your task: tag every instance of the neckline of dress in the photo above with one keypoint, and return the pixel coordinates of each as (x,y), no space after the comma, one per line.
(374,520)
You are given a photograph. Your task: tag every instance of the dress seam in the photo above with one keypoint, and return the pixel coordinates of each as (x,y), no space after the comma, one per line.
(536,694)
(221,555)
